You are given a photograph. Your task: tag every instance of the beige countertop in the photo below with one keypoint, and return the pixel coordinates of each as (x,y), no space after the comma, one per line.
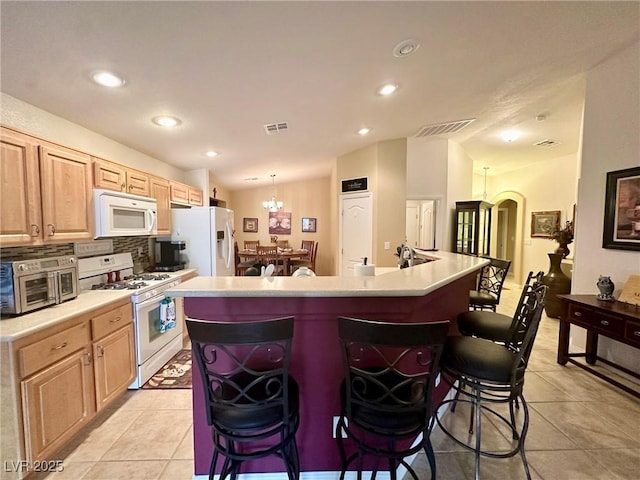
(414,281)
(12,328)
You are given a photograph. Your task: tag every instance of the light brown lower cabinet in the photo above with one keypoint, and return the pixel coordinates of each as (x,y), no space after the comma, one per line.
(113,365)
(54,382)
(56,403)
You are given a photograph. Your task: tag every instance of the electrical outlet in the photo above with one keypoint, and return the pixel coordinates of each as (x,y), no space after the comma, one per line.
(387,245)
(335,425)
(140,251)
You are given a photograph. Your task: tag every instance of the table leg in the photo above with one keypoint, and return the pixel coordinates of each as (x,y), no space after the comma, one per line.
(563,342)
(592,347)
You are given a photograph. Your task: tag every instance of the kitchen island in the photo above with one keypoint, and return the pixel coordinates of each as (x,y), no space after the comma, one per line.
(433,291)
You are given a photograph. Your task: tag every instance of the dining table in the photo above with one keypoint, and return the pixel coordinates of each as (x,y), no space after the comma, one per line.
(286,254)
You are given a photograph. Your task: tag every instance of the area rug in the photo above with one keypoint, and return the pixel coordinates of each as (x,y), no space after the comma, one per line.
(176,373)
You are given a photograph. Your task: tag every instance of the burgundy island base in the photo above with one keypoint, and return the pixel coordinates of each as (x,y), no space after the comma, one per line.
(433,291)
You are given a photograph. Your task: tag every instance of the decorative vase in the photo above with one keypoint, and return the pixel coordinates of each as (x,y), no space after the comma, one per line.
(606,287)
(558,284)
(563,249)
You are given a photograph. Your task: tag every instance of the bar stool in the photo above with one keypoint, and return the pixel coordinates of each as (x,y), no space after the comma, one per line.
(492,325)
(390,371)
(487,294)
(484,373)
(252,402)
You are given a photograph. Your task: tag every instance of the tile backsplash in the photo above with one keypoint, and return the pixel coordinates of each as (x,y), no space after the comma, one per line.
(120,245)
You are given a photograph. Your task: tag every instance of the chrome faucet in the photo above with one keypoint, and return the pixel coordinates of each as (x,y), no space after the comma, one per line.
(410,261)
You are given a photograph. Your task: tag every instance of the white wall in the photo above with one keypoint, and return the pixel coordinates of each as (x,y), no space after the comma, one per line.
(459,180)
(611,141)
(39,123)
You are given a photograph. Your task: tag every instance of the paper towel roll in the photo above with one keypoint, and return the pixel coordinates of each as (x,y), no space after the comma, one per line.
(364,270)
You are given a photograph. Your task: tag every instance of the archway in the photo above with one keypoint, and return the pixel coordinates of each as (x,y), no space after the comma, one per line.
(498,201)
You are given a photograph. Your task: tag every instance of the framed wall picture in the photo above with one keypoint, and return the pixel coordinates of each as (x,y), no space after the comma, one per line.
(250,225)
(308,224)
(543,224)
(279,223)
(622,210)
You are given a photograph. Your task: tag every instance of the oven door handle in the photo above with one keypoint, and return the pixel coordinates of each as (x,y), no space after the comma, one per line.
(53,286)
(157,299)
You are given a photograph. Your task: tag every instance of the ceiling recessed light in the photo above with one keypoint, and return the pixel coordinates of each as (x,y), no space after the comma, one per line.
(107,79)
(387,89)
(364,131)
(510,135)
(406,47)
(167,121)
(211,154)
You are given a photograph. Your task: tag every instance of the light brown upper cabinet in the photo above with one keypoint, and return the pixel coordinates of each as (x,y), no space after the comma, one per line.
(46,192)
(185,194)
(113,176)
(161,192)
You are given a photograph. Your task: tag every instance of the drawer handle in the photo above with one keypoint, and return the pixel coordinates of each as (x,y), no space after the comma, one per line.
(637,333)
(114,320)
(59,347)
(578,314)
(604,322)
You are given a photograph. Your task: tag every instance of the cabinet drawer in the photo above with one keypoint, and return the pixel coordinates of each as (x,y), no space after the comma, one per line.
(580,315)
(608,325)
(111,321)
(40,354)
(632,332)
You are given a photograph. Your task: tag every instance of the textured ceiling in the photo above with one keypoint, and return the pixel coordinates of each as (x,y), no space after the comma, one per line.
(228,68)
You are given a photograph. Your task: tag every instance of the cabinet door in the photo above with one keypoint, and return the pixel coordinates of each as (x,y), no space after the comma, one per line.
(109,176)
(114,365)
(160,191)
(179,193)
(137,183)
(57,402)
(66,195)
(195,197)
(20,215)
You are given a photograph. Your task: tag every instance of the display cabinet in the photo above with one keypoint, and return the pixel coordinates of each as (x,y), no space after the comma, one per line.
(472,228)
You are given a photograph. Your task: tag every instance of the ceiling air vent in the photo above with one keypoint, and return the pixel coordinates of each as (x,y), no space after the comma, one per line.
(443,128)
(274,128)
(546,143)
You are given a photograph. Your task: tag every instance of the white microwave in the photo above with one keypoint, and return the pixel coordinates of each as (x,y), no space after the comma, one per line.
(124,215)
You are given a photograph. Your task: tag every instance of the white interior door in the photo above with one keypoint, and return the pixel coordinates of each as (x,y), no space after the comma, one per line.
(428,224)
(356,231)
(413,223)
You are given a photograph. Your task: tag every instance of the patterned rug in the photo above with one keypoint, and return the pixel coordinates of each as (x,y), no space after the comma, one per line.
(176,373)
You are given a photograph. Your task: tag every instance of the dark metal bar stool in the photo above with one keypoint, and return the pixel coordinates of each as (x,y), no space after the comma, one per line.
(390,371)
(483,373)
(487,294)
(252,402)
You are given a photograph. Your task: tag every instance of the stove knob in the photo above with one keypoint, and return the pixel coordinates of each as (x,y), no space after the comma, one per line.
(154,292)
(22,267)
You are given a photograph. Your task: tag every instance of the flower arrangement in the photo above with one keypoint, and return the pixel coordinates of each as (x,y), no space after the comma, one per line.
(564,235)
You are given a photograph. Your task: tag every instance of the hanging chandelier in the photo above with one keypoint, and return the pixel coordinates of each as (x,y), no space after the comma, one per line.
(273,205)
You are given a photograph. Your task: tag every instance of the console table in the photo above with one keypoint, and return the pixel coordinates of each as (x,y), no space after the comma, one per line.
(614,320)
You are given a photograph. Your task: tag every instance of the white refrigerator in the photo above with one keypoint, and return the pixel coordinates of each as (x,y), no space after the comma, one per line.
(208,235)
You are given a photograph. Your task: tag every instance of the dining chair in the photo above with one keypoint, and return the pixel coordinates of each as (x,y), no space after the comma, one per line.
(268,255)
(308,260)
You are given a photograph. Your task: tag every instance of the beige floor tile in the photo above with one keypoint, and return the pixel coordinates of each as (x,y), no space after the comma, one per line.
(126,470)
(99,439)
(623,463)
(583,427)
(178,470)
(159,399)
(185,448)
(568,465)
(543,435)
(582,386)
(154,435)
(70,471)
(538,389)
(619,414)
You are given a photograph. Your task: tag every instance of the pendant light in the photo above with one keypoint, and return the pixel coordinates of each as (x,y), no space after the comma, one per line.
(273,205)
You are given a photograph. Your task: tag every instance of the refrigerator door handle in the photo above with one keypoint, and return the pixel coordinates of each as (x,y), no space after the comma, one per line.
(229,234)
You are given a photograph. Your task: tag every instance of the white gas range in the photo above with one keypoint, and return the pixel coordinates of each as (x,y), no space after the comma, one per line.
(157,339)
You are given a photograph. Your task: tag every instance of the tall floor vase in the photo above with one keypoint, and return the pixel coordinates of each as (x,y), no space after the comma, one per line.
(558,284)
